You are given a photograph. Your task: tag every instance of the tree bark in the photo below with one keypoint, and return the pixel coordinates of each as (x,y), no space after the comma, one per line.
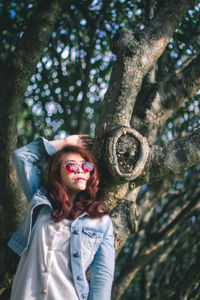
(135,57)
(173,158)
(164,98)
(148,250)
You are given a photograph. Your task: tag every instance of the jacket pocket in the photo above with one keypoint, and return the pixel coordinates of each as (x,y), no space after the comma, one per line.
(93,233)
(90,241)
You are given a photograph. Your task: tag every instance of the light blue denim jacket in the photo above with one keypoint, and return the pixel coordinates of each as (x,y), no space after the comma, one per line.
(96,234)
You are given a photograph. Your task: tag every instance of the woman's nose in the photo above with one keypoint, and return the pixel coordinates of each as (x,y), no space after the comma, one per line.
(79,170)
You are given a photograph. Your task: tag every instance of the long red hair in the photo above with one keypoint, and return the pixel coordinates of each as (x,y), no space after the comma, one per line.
(89,200)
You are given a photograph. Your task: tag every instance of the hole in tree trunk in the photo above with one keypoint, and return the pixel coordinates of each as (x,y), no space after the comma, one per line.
(128,151)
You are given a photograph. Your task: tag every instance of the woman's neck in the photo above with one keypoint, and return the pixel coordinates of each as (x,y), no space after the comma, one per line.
(72,196)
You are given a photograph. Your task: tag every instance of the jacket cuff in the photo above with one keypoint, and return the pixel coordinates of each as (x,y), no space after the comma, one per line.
(51,150)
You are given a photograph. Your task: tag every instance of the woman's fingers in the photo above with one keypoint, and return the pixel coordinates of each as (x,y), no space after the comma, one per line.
(86,142)
(81,140)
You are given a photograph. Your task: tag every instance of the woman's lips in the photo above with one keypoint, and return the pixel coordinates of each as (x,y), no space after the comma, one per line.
(80,179)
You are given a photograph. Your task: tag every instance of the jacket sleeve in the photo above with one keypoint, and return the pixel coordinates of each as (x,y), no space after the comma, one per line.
(26,161)
(102,268)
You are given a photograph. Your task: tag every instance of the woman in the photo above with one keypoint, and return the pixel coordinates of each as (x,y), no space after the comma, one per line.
(65,232)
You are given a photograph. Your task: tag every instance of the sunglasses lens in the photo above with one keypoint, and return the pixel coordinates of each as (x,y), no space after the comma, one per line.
(71,167)
(87,166)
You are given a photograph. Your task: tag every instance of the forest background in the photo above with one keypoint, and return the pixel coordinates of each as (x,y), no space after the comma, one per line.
(105,68)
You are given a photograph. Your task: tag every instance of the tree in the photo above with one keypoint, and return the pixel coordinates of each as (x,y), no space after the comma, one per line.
(153,76)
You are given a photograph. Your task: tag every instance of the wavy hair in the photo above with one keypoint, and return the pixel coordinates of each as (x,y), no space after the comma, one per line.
(89,200)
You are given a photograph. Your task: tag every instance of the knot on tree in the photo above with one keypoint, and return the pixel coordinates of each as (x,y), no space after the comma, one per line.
(124,43)
(127,152)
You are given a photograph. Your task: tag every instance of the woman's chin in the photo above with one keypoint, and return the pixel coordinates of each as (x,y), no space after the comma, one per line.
(81,186)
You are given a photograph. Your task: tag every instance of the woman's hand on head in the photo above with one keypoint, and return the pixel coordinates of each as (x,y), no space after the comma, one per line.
(81,140)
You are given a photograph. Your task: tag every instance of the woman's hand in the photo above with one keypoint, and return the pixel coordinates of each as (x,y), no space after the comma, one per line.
(81,140)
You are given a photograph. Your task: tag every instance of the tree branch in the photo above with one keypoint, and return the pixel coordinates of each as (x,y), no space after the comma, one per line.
(16,75)
(164,99)
(150,249)
(173,158)
(135,57)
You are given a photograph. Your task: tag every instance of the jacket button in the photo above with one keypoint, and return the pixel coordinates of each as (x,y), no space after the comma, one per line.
(58,228)
(79,278)
(83,296)
(76,254)
(75,232)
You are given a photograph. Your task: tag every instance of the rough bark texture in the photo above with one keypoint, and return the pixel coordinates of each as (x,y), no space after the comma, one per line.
(164,98)
(139,257)
(135,57)
(174,158)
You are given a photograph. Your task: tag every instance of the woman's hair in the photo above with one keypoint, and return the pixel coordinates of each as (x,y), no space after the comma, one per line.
(88,200)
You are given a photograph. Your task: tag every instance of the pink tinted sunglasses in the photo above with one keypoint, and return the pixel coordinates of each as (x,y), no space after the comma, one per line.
(72,167)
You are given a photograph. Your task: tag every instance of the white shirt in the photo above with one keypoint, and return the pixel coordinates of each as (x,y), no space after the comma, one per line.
(44,271)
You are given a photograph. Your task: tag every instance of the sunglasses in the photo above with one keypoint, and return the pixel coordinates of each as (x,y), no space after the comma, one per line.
(72,167)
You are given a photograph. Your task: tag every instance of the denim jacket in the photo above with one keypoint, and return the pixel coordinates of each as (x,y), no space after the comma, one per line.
(96,234)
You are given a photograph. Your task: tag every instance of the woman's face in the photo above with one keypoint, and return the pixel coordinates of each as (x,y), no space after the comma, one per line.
(74,181)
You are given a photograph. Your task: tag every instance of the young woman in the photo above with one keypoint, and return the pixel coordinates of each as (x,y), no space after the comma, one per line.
(65,232)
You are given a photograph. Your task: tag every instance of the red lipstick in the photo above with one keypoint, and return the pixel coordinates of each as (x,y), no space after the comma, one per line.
(80,178)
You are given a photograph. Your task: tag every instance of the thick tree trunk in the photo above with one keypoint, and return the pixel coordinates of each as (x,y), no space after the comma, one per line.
(136,55)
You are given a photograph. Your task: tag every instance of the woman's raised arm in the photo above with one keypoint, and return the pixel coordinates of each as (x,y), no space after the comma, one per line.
(81,140)
(26,161)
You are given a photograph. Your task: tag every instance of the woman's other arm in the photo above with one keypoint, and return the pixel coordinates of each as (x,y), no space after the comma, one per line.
(102,269)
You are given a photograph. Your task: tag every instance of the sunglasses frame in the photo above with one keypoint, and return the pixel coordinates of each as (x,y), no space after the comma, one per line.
(74,164)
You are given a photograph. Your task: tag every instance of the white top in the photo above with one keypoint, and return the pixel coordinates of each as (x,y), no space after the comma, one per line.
(44,271)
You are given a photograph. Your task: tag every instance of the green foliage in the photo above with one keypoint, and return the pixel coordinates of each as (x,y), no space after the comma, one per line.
(15,16)
(65,93)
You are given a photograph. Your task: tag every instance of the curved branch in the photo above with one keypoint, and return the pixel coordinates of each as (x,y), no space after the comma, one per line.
(173,158)
(149,250)
(164,99)
(16,75)
(135,56)
(187,282)
(35,38)
(157,35)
